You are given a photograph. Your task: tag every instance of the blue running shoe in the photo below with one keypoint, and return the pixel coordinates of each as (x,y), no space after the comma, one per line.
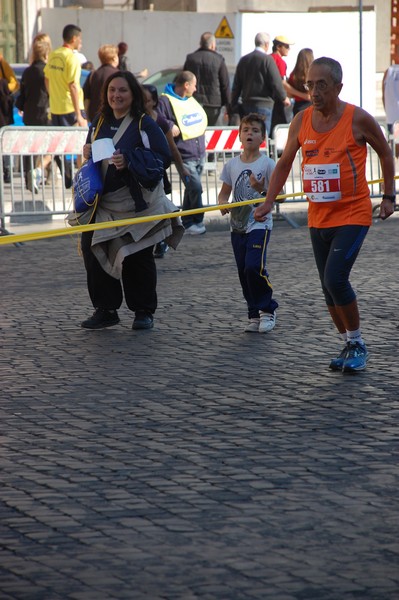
(356,357)
(337,363)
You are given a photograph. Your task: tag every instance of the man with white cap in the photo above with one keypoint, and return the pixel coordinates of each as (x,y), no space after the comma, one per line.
(280,49)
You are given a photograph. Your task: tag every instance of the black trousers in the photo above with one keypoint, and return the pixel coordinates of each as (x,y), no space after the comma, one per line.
(138,284)
(212,112)
(278,115)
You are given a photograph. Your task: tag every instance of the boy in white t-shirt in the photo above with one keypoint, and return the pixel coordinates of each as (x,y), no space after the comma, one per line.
(247,176)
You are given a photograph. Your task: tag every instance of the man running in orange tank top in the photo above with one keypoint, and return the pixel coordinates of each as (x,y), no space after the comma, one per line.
(333,136)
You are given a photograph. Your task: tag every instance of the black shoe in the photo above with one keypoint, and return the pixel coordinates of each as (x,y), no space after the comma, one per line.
(143,320)
(101,318)
(160,249)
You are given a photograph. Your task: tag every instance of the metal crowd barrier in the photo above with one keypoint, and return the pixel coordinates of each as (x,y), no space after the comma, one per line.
(22,148)
(25,148)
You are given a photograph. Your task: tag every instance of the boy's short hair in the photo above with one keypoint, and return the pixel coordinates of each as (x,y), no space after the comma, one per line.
(254,118)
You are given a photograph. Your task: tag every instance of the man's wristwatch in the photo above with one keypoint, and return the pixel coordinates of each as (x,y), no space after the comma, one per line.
(390,197)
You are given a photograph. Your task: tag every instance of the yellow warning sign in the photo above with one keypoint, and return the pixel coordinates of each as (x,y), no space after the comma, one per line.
(224,30)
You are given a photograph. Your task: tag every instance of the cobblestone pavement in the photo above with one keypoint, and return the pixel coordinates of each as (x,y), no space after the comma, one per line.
(194,460)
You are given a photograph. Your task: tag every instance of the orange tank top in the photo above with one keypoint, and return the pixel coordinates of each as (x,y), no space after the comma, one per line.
(334,174)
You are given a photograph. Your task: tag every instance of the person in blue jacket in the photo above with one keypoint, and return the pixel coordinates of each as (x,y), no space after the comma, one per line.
(119,260)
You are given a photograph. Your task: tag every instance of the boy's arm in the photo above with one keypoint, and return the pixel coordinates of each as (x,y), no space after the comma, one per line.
(282,169)
(224,196)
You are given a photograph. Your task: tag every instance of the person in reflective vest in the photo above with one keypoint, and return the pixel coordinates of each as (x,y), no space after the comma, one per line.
(188,121)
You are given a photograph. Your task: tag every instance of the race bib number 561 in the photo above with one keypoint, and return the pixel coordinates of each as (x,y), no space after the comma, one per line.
(321,183)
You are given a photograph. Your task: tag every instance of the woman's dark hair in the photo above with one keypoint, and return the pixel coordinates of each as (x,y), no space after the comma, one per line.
(153,91)
(137,108)
(122,47)
(300,72)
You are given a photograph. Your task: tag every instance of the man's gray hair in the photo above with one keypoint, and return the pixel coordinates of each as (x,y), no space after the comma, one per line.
(207,40)
(333,65)
(262,38)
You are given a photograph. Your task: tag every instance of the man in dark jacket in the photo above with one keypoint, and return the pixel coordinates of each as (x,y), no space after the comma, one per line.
(213,86)
(258,82)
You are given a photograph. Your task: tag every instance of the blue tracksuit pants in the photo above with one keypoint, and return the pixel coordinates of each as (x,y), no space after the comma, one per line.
(250,253)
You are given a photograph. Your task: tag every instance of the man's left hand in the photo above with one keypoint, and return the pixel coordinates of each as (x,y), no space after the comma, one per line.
(387,208)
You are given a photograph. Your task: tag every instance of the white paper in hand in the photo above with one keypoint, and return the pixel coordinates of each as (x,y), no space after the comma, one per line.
(102,149)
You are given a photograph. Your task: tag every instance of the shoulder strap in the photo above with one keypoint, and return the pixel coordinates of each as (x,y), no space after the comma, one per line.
(144,136)
(97,129)
(122,128)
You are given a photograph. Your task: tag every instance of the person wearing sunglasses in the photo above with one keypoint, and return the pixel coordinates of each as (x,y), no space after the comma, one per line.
(282,114)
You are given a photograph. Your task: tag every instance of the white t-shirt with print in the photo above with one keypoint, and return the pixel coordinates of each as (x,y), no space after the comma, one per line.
(236,174)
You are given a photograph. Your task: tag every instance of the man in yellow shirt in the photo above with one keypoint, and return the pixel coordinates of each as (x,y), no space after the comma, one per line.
(62,73)
(62,76)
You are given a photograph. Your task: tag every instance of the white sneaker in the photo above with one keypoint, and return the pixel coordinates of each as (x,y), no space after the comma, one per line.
(31,182)
(38,176)
(252,326)
(267,322)
(196,229)
(34,180)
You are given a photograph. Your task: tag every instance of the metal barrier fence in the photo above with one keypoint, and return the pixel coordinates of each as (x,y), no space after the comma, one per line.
(23,200)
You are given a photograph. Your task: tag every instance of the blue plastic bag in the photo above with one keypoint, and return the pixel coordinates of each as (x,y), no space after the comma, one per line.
(87,185)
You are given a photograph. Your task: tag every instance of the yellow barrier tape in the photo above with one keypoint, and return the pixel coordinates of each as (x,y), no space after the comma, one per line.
(67,230)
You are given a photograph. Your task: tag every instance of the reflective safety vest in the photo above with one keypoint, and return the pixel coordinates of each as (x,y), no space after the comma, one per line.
(190,116)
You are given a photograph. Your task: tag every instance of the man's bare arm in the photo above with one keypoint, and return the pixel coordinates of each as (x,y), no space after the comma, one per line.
(282,169)
(73,88)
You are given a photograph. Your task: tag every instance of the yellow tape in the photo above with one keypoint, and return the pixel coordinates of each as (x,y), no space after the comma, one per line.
(41,235)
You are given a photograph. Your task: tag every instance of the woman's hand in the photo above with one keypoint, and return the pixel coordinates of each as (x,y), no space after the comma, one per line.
(118,160)
(87,151)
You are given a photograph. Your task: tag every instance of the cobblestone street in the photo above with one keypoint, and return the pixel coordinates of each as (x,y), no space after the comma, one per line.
(195,461)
